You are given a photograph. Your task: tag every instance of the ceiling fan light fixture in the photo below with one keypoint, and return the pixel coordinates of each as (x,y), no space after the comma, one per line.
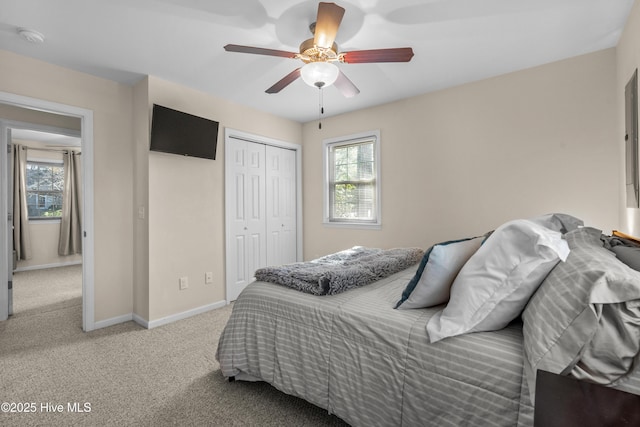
(319,74)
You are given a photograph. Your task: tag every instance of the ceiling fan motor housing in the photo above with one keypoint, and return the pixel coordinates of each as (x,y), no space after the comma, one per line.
(309,52)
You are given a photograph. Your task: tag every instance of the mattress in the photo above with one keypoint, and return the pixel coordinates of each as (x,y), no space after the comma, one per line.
(360,359)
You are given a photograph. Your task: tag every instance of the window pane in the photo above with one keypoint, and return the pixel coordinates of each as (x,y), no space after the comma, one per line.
(353,154)
(366,153)
(340,156)
(354,163)
(365,171)
(53,206)
(45,183)
(57,178)
(32,204)
(342,173)
(33,176)
(354,201)
(352,186)
(353,172)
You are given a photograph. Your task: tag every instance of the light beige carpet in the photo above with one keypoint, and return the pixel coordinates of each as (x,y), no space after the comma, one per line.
(127,375)
(37,291)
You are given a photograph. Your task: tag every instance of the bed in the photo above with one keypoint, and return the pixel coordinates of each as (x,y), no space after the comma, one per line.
(359,357)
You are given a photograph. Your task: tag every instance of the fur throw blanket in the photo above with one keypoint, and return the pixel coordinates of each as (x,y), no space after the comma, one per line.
(335,273)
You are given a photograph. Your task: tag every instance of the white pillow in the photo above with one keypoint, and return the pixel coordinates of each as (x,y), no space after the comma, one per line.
(495,284)
(445,261)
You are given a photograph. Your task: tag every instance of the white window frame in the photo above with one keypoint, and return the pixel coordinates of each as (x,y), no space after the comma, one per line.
(327,144)
(52,162)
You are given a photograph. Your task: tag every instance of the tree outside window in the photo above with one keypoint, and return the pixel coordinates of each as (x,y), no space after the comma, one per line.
(352,180)
(45,183)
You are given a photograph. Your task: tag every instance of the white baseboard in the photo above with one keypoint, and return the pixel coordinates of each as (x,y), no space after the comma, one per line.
(185,314)
(159,322)
(140,321)
(43,266)
(113,321)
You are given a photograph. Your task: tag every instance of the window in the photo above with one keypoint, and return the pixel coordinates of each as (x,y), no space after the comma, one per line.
(352,180)
(45,182)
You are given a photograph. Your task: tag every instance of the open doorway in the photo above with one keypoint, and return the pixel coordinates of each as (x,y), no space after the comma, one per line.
(34,107)
(47,246)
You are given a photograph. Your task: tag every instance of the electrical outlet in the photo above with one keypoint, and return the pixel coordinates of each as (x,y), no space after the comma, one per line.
(208,277)
(184,283)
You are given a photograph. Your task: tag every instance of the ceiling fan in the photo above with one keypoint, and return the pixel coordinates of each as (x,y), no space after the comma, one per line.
(320,54)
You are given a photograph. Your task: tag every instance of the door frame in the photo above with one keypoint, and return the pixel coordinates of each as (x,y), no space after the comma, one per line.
(238,134)
(86,135)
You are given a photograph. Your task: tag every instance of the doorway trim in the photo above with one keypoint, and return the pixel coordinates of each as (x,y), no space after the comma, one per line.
(86,135)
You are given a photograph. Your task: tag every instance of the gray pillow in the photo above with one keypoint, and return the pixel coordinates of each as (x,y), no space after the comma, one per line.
(568,321)
(629,255)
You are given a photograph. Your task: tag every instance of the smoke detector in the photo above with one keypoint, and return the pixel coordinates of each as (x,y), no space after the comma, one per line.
(32,36)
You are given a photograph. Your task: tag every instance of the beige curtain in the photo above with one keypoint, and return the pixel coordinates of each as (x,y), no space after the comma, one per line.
(21,235)
(71,224)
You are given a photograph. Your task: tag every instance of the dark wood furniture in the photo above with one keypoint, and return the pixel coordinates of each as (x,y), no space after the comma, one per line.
(565,402)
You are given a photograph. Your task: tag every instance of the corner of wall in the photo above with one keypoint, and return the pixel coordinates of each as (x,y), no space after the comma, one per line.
(627,60)
(141,124)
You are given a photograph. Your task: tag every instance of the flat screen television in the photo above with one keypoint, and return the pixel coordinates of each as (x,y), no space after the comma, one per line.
(180,133)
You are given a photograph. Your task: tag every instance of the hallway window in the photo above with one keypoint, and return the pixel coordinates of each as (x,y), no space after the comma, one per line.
(45,182)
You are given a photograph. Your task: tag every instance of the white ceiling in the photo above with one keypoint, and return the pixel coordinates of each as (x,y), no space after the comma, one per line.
(46,139)
(455,41)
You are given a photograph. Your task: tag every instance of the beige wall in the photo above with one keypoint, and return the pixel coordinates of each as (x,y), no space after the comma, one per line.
(628,59)
(11,112)
(461,161)
(44,245)
(111,104)
(186,201)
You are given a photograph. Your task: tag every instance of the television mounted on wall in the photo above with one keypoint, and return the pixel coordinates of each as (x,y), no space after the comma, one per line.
(176,132)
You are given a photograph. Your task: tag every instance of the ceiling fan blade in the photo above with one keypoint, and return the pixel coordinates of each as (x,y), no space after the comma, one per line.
(327,23)
(401,54)
(285,81)
(346,86)
(259,51)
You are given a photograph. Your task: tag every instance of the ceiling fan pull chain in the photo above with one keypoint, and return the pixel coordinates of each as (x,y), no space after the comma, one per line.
(321,107)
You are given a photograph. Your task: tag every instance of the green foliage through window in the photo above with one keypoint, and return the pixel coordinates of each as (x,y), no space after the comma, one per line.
(352,182)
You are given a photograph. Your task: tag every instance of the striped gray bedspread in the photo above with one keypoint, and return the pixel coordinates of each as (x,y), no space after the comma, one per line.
(369,364)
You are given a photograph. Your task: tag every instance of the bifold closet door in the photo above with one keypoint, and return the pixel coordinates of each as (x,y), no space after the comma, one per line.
(245,209)
(281,205)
